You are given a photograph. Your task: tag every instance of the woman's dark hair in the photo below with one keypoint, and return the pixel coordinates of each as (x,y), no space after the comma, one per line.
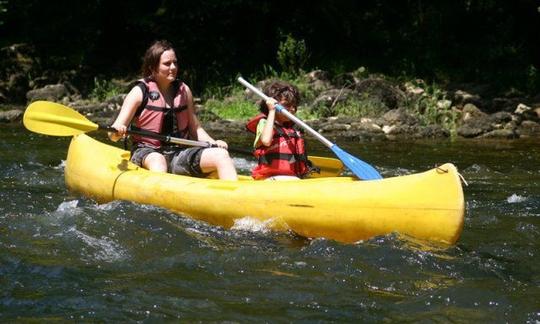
(281,91)
(153,55)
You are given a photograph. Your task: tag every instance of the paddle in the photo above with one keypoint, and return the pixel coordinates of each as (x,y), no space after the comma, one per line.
(49,118)
(358,167)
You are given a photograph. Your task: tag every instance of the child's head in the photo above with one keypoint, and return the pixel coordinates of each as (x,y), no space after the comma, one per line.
(286,94)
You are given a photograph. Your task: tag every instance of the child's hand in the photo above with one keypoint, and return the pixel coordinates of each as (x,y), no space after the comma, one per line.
(271,104)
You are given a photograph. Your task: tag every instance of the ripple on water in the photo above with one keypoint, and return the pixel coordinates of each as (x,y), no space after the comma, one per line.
(98,249)
(530,231)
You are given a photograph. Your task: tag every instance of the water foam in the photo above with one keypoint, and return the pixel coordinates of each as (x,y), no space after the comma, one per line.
(67,206)
(106,249)
(515,199)
(252,224)
(61,166)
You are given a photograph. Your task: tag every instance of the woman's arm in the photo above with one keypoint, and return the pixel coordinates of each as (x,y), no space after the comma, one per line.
(132,101)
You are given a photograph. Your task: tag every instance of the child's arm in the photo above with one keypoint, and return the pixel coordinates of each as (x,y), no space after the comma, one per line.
(268,130)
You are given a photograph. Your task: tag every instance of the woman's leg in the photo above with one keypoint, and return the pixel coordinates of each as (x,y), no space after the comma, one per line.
(155,162)
(218,159)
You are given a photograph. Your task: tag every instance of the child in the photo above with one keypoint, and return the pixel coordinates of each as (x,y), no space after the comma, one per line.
(279,146)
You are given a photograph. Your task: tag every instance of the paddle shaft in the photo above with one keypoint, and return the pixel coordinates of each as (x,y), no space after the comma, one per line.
(285,112)
(170,139)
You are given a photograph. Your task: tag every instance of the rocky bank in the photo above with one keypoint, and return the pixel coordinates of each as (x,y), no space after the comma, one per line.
(472,111)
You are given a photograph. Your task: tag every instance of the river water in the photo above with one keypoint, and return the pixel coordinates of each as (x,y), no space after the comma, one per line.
(64,257)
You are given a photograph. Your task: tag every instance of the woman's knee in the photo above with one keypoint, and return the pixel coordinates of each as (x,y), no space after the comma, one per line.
(219,159)
(155,162)
(222,154)
(215,156)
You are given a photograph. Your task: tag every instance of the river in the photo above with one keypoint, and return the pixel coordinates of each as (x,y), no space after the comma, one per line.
(64,257)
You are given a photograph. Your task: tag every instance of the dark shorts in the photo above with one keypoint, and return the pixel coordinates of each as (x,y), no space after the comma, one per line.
(184,161)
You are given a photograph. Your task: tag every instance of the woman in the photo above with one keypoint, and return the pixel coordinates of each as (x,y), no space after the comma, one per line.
(161,103)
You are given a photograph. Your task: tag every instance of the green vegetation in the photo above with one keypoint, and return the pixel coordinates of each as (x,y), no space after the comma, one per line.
(233,108)
(3,11)
(292,54)
(486,41)
(430,105)
(104,89)
(442,42)
(533,79)
(364,107)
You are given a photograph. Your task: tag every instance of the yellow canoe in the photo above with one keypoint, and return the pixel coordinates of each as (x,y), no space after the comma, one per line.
(427,205)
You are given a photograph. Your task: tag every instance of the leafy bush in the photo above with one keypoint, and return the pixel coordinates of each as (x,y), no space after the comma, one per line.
(292,54)
(104,89)
(3,10)
(533,79)
(432,107)
(364,107)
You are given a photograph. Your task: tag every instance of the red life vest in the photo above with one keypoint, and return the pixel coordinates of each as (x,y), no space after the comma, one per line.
(151,115)
(286,154)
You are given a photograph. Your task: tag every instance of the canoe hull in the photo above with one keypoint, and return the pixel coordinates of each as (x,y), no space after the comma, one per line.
(428,205)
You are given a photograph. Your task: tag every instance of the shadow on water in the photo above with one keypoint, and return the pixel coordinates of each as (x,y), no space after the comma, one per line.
(63,257)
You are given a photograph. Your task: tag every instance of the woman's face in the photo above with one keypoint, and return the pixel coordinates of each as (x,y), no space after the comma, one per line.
(167,68)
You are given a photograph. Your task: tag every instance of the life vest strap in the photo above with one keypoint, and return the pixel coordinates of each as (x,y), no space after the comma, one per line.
(291,158)
(281,132)
(175,109)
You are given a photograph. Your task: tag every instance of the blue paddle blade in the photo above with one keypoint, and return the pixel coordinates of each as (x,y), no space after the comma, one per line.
(360,168)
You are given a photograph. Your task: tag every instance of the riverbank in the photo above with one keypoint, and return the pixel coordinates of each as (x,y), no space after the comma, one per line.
(352,106)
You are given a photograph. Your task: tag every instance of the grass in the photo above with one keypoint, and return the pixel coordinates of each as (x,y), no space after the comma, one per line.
(364,108)
(234,108)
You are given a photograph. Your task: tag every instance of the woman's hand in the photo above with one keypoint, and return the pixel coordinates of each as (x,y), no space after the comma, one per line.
(121,131)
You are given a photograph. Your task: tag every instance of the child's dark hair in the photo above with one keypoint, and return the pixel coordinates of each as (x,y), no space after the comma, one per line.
(281,91)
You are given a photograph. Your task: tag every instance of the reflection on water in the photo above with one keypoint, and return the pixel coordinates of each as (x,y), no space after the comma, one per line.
(66,257)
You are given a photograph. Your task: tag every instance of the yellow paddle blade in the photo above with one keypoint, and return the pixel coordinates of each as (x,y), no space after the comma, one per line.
(51,118)
(330,167)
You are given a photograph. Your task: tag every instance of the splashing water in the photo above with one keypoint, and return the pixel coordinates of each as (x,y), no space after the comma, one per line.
(513,199)
(252,224)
